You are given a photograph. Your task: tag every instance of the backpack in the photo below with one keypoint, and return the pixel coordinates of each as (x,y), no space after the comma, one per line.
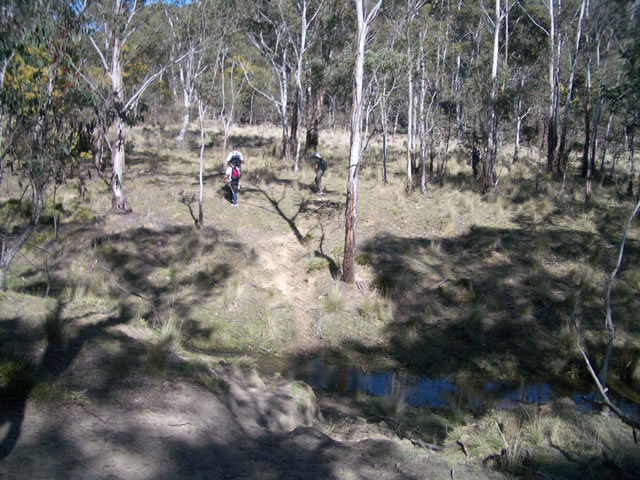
(322,163)
(236,160)
(235,173)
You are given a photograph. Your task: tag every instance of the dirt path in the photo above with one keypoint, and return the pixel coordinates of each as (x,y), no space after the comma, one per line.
(283,259)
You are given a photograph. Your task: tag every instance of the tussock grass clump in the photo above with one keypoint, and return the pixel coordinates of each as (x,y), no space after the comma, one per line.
(169,338)
(394,404)
(363,258)
(232,292)
(266,322)
(317,264)
(335,301)
(383,284)
(375,309)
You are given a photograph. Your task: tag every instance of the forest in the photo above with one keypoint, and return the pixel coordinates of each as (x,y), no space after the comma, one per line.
(458,300)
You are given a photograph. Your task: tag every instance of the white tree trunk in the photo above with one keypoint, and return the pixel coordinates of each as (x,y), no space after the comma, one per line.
(355,151)
(201,113)
(489,179)
(185,79)
(410,152)
(119,202)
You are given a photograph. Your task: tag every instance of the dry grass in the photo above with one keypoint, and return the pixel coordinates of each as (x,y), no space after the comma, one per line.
(454,282)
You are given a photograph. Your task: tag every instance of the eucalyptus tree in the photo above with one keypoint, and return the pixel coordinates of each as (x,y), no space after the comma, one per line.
(547,22)
(526,75)
(113,30)
(329,51)
(42,107)
(233,81)
(191,25)
(306,12)
(267,32)
(412,10)
(388,80)
(626,97)
(365,17)
(489,164)
(574,54)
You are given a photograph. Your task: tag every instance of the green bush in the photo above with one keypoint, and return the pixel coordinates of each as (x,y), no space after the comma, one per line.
(363,258)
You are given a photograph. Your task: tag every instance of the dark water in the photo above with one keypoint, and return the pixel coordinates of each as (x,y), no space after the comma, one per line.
(435,392)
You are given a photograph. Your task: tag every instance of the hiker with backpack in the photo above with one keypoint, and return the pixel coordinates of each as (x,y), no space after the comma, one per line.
(236,158)
(320,165)
(232,175)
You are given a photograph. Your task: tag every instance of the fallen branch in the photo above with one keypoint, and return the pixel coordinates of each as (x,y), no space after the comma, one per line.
(81,405)
(426,446)
(464,448)
(600,380)
(433,287)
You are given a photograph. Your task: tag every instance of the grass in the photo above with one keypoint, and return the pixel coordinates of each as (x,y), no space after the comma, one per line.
(335,301)
(17,378)
(169,339)
(453,282)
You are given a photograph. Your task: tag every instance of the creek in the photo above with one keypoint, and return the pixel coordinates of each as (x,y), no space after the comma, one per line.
(464,393)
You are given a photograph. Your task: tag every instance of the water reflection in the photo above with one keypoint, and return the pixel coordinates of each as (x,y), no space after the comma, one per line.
(434,392)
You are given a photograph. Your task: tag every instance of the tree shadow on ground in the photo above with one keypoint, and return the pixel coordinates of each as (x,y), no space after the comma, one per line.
(55,360)
(303,206)
(487,298)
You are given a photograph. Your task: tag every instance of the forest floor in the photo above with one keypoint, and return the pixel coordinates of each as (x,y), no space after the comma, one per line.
(139,347)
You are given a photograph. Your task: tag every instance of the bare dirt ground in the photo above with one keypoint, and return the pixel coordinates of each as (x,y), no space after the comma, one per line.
(176,430)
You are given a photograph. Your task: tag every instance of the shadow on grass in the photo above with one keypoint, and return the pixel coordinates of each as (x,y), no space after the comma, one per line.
(489,298)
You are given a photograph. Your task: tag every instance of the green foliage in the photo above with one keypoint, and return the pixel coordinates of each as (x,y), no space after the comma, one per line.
(47,393)
(316,264)
(41,102)
(383,284)
(16,378)
(83,215)
(363,258)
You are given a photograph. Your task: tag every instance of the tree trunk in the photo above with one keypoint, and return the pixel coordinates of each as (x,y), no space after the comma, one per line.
(201,113)
(119,202)
(630,146)
(422,120)
(186,103)
(605,147)
(314,118)
(410,152)
(516,148)
(3,68)
(355,151)
(552,121)
(489,180)
(385,131)
(562,153)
